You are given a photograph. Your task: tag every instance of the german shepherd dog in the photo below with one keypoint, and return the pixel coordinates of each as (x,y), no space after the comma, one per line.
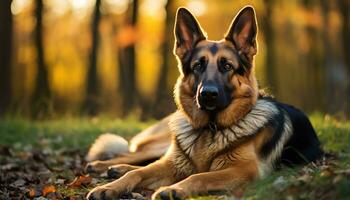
(225,132)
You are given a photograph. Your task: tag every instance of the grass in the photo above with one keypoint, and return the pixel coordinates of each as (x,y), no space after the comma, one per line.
(67,133)
(328,180)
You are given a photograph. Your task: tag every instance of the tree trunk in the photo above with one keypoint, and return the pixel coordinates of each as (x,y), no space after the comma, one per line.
(91,104)
(344,6)
(41,98)
(127,65)
(336,75)
(313,90)
(5,54)
(267,24)
(163,97)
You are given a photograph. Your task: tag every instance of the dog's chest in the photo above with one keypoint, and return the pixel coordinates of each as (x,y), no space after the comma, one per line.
(201,146)
(204,150)
(210,151)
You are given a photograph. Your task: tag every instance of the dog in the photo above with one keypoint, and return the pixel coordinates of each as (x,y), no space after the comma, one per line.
(225,133)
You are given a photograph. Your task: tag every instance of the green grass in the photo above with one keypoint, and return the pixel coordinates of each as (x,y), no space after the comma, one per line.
(67,133)
(329,180)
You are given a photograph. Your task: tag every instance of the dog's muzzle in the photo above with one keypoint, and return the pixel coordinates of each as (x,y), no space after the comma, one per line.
(208,97)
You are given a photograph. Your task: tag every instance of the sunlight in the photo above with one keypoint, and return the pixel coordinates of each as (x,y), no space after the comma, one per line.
(17,6)
(153,8)
(81,8)
(57,7)
(80,4)
(117,6)
(197,7)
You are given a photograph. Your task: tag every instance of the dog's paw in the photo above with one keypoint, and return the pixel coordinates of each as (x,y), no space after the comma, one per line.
(113,173)
(96,167)
(169,193)
(102,193)
(117,171)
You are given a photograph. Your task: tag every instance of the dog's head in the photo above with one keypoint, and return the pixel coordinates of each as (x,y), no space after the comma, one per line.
(217,82)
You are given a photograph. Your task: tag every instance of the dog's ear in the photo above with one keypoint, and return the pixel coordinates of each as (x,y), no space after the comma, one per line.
(243,31)
(187,33)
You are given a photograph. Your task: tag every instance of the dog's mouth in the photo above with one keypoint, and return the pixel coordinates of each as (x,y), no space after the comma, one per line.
(211,106)
(207,106)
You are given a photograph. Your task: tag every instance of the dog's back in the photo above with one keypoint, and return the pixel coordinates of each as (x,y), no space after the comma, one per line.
(303,146)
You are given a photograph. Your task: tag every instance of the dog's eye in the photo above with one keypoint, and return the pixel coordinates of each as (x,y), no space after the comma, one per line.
(225,65)
(197,67)
(228,66)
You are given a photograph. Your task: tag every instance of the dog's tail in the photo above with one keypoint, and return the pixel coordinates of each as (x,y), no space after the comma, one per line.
(107,146)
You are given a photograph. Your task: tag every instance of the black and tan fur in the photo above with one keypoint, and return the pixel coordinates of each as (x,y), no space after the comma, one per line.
(224,133)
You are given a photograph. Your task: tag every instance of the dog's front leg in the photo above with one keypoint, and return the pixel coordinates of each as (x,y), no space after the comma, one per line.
(99,166)
(231,180)
(152,176)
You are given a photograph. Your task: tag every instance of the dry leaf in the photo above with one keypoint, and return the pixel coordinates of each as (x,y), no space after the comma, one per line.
(71,198)
(48,189)
(327,172)
(32,192)
(80,181)
(18,183)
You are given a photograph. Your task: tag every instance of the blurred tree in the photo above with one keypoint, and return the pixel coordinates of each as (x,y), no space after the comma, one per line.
(127,63)
(269,35)
(330,60)
(163,97)
(5,54)
(336,81)
(312,58)
(90,105)
(41,97)
(344,6)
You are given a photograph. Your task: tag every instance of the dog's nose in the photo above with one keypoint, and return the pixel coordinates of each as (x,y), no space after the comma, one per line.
(209,92)
(208,97)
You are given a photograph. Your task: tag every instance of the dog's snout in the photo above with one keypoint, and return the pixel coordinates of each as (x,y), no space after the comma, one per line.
(209,92)
(208,97)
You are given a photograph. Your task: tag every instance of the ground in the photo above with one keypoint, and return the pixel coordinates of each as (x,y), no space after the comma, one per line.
(45,160)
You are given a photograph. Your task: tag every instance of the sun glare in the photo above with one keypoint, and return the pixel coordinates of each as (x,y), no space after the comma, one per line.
(80,4)
(153,8)
(117,6)
(17,6)
(198,7)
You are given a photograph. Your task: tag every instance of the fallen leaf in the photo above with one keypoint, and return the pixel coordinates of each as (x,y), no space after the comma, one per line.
(33,192)
(48,189)
(18,183)
(9,166)
(327,172)
(59,181)
(305,178)
(40,198)
(80,181)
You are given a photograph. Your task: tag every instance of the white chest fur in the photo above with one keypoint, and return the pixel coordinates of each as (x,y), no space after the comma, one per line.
(256,119)
(264,112)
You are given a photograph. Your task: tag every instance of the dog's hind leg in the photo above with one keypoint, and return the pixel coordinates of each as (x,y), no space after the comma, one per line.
(149,145)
